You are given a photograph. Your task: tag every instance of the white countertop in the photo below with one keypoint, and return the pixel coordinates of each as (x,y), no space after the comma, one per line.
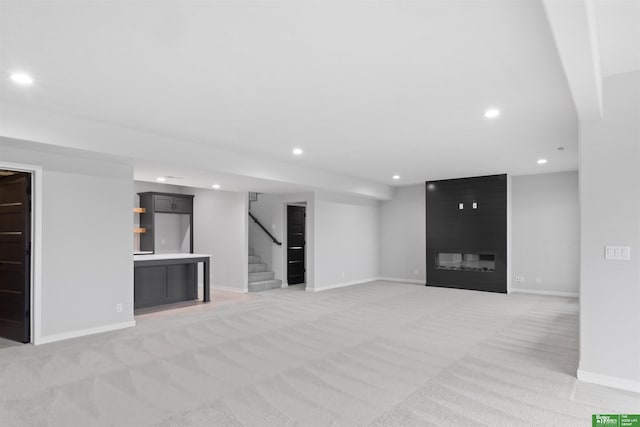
(155,257)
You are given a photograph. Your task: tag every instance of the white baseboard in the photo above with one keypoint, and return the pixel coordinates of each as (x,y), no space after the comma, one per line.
(229,289)
(397,279)
(609,381)
(544,292)
(84,332)
(342,285)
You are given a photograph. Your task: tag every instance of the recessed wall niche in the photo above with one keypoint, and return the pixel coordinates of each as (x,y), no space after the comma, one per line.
(467,233)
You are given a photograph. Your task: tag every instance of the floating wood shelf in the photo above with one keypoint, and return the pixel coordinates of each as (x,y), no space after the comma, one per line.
(139,230)
(139,210)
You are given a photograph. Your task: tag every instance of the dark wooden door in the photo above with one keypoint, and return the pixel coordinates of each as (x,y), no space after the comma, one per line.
(295,244)
(15,257)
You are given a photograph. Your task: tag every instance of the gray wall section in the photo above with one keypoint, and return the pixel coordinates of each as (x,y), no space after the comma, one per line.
(87,235)
(545,225)
(342,237)
(545,233)
(403,234)
(610,215)
(347,240)
(219,229)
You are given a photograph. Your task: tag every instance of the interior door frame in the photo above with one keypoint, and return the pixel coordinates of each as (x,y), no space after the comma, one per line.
(285,243)
(36,244)
(286,240)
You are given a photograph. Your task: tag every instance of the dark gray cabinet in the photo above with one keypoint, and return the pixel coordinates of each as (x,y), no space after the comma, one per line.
(164,284)
(163,203)
(170,203)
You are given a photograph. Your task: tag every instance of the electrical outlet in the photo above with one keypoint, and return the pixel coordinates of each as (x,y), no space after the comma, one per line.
(343,274)
(415,272)
(520,279)
(118,308)
(618,253)
(538,280)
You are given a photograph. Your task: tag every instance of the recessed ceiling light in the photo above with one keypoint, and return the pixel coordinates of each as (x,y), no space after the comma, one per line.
(216,186)
(542,161)
(297,151)
(22,78)
(161,179)
(492,113)
(396,177)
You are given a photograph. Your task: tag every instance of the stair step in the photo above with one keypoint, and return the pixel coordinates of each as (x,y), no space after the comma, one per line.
(251,251)
(264,285)
(261,276)
(257,267)
(254,259)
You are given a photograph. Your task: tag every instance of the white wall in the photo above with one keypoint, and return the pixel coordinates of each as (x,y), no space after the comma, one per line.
(219,229)
(347,242)
(546,232)
(342,237)
(610,215)
(403,235)
(86,237)
(544,211)
(271,210)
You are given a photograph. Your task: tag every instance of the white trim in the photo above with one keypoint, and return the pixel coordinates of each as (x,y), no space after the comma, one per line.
(342,285)
(509,233)
(84,332)
(245,247)
(36,243)
(229,289)
(544,292)
(609,381)
(397,279)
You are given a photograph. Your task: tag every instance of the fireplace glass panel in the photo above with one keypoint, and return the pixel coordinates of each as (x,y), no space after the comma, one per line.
(465,262)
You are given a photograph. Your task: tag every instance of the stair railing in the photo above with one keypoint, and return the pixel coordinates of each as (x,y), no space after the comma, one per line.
(265,229)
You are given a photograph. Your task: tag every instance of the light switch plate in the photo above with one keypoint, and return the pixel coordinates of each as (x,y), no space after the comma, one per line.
(617,253)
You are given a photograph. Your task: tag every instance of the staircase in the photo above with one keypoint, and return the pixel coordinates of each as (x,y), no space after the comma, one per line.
(260,279)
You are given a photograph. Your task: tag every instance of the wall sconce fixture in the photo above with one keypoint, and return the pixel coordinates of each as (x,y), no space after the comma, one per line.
(461,206)
(475,205)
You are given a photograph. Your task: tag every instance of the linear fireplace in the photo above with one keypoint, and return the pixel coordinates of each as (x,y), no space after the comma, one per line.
(483,263)
(467,233)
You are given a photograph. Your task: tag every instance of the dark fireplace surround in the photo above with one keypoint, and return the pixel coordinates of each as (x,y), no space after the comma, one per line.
(467,233)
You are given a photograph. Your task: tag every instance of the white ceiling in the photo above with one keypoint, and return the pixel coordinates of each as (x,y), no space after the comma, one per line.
(367,89)
(619,35)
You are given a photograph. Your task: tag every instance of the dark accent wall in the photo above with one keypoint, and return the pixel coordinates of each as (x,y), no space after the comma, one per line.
(482,230)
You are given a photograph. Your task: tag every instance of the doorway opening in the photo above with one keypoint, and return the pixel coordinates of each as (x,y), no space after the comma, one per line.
(296,244)
(15,255)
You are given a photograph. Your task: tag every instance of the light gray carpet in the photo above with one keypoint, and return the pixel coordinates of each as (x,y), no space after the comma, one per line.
(382,354)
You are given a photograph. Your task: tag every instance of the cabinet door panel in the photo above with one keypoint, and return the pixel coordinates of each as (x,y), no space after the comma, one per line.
(163,203)
(182,205)
(176,283)
(181,282)
(150,286)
